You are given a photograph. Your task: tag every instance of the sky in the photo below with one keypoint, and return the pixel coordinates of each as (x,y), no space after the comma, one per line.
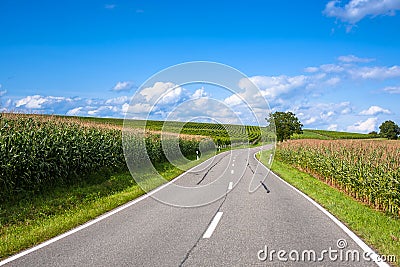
(335,64)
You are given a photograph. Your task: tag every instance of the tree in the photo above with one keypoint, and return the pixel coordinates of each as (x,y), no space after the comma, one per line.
(285,123)
(389,130)
(373,134)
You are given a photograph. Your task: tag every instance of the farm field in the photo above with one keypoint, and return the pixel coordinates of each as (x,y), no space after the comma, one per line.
(378,229)
(73,168)
(58,172)
(222,134)
(329,135)
(356,180)
(38,151)
(367,170)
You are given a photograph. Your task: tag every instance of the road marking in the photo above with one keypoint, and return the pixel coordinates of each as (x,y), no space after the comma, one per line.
(213,225)
(230,186)
(101,217)
(233,164)
(232,171)
(374,256)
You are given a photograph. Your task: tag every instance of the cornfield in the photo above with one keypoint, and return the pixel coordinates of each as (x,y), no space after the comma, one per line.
(38,152)
(365,169)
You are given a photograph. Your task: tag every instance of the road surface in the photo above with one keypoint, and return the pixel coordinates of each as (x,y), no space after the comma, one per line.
(238,229)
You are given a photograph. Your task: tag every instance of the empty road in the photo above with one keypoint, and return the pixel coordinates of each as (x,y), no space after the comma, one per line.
(240,228)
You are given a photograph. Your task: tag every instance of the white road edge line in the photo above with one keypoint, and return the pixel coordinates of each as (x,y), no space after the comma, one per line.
(213,225)
(100,218)
(373,255)
(230,186)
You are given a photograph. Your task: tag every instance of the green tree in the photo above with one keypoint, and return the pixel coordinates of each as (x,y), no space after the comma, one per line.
(285,123)
(373,134)
(389,130)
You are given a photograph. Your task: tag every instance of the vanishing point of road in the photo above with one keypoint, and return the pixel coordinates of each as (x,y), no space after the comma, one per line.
(241,228)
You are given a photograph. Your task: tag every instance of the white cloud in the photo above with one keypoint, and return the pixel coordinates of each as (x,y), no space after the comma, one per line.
(102,110)
(366,126)
(2,92)
(172,96)
(310,120)
(37,101)
(319,115)
(311,69)
(333,81)
(117,100)
(273,86)
(346,110)
(31,102)
(374,110)
(233,100)
(70,106)
(327,114)
(123,86)
(6,106)
(376,72)
(125,107)
(356,10)
(199,93)
(152,94)
(329,68)
(392,89)
(332,127)
(208,109)
(138,108)
(354,59)
(74,111)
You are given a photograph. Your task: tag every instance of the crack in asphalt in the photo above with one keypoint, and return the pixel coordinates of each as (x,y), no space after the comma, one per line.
(248,165)
(200,237)
(265,187)
(205,174)
(262,183)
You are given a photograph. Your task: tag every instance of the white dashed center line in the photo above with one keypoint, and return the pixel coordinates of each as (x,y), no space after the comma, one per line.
(230,186)
(213,225)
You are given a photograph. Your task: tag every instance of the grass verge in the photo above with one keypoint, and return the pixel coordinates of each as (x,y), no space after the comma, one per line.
(36,218)
(380,230)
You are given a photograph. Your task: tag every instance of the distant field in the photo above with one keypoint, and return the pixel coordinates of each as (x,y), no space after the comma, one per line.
(38,151)
(222,134)
(326,135)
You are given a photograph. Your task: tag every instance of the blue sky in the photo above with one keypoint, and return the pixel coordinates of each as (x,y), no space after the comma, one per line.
(336,64)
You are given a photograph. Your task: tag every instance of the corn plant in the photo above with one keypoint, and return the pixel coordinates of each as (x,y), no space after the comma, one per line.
(367,170)
(38,152)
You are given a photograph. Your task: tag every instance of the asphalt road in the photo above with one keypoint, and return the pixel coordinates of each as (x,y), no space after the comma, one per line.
(238,228)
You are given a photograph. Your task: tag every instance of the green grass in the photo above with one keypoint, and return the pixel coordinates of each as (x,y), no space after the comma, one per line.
(324,134)
(379,230)
(221,133)
(38,217)
(34,219)
(310,135)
